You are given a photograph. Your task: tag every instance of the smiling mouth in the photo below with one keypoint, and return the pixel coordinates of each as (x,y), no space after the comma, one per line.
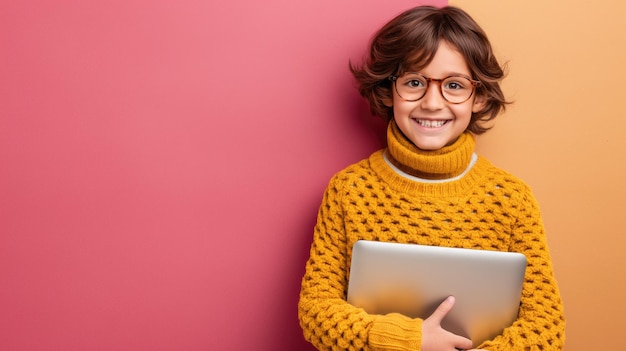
(431,124)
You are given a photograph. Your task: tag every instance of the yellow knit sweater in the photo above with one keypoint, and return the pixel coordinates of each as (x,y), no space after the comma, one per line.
(473,205)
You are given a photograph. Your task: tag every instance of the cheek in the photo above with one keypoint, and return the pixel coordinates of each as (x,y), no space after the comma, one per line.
(399,113)
(402,108)
(463,112)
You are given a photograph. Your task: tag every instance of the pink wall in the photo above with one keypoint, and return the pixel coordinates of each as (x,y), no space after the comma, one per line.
(161,163)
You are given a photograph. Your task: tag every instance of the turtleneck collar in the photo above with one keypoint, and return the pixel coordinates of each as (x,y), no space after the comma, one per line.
(447,162)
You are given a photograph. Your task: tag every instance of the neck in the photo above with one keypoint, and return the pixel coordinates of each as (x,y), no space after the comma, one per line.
(445,163)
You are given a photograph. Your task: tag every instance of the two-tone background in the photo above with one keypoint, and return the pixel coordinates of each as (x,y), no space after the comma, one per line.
(161,162)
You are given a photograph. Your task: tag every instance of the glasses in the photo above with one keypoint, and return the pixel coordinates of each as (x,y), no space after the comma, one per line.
(455,89)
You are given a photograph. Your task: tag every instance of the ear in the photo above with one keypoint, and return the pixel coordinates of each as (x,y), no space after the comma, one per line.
(388,101)
(480,101)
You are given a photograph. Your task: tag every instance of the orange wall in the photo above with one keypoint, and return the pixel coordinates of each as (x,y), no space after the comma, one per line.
(565,136)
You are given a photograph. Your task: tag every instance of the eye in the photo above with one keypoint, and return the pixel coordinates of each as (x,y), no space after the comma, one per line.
(454,85)
(415,83)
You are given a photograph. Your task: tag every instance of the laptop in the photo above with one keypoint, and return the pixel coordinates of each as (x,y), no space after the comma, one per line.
(414,279)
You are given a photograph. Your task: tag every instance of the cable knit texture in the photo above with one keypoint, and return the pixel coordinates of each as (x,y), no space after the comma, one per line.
(487,208)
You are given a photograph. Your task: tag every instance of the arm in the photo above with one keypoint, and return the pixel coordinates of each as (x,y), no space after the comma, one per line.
(541,323)
(327,320)
(330,323)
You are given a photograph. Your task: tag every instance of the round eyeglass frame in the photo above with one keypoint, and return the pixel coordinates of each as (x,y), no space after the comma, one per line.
(475,84)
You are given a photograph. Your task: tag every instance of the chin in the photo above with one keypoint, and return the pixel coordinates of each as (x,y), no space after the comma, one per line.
(430,146)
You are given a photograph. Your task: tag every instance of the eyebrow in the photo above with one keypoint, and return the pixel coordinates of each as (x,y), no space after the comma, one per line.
(446,75)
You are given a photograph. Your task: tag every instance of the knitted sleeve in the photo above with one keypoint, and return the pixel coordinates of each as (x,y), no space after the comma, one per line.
(541,322)
(328,321)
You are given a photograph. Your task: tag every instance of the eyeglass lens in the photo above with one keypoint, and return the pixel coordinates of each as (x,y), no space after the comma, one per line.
(454,89)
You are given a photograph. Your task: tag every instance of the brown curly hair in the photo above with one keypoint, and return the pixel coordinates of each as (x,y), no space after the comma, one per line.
(410,41)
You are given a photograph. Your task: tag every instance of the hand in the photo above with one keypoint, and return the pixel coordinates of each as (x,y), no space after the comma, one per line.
(435,338)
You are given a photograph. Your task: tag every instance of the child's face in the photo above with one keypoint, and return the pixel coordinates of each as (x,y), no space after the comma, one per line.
(432,122)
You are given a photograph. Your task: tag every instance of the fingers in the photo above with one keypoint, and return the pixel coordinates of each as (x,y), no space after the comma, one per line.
(436,338)
(442,310)
(462,343)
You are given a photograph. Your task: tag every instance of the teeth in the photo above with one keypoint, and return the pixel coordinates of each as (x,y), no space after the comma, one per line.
(430,124)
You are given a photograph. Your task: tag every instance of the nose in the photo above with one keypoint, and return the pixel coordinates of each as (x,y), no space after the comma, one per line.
(433,100)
